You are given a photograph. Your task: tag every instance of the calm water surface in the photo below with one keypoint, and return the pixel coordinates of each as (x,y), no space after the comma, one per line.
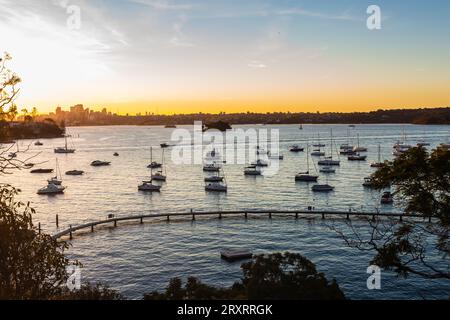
(137,259)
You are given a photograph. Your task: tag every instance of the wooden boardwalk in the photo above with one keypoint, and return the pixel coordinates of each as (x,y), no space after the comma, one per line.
(245,213)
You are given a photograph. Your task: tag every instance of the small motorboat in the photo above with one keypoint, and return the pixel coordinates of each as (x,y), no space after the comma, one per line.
(317,153)
(159,176)
(214,179)
(38,143)
(322,188)
(368,182)
(296,148)
(164,145)
(51,189)
(74,173)
(329,162)
(216,186)
(99,163)
(211,167)
(154,165)
(252,171)
(357,157)
(327,169)
(386,198)
(115,154)
(41,171)
(149,187)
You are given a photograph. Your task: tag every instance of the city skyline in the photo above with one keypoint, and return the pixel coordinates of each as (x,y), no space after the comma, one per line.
(137,56)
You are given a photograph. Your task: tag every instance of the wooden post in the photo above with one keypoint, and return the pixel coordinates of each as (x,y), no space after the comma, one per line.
(39,227)
(142,220)
(92,228)
(323,215)
(246,215)
(220,216)
(115,223)
(296,215)
(348,216)
(57,221)
(270,215)
(401,217)
(193,217)
(70,232)
(168,218)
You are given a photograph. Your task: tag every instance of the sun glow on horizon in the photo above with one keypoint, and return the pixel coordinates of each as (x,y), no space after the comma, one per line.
(195,56)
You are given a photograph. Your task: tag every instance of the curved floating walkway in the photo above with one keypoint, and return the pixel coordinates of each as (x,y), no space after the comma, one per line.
(269,213)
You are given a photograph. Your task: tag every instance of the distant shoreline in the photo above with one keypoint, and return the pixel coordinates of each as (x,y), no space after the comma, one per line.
(79,116)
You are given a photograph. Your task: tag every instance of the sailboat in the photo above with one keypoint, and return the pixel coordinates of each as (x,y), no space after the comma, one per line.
(153,164)
(322,187)
(378,164)
(318,144)
(217,186)
(328,161)
(346,148)
(64,149)
(306,176)
(160,175)
(252,171)
(56,180)
(359,148)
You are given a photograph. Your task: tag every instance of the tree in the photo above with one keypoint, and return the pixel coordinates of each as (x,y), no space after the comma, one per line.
(32,265)
(8,90)
(273,276)
(421,181)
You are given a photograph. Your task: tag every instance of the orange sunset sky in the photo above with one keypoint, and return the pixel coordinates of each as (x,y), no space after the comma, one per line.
(228,56)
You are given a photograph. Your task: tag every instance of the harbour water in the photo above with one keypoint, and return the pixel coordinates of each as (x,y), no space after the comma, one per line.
(139,259)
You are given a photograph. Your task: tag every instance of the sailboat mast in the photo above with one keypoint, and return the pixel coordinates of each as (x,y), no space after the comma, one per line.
(307,156)
(379,153)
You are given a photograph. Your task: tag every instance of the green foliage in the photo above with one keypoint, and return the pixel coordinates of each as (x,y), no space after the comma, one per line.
(91,292)
(273,276)
(32,265)
(421,181)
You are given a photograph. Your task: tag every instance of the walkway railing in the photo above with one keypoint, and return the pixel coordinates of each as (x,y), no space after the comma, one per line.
(269,213)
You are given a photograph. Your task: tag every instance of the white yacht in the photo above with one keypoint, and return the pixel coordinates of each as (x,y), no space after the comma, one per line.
(148,186)
(216,186)
(51,189)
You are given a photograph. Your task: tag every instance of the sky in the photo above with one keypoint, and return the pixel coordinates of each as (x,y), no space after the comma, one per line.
(188,56)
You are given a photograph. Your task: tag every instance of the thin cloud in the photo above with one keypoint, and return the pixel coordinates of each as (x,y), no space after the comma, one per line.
(313,14)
